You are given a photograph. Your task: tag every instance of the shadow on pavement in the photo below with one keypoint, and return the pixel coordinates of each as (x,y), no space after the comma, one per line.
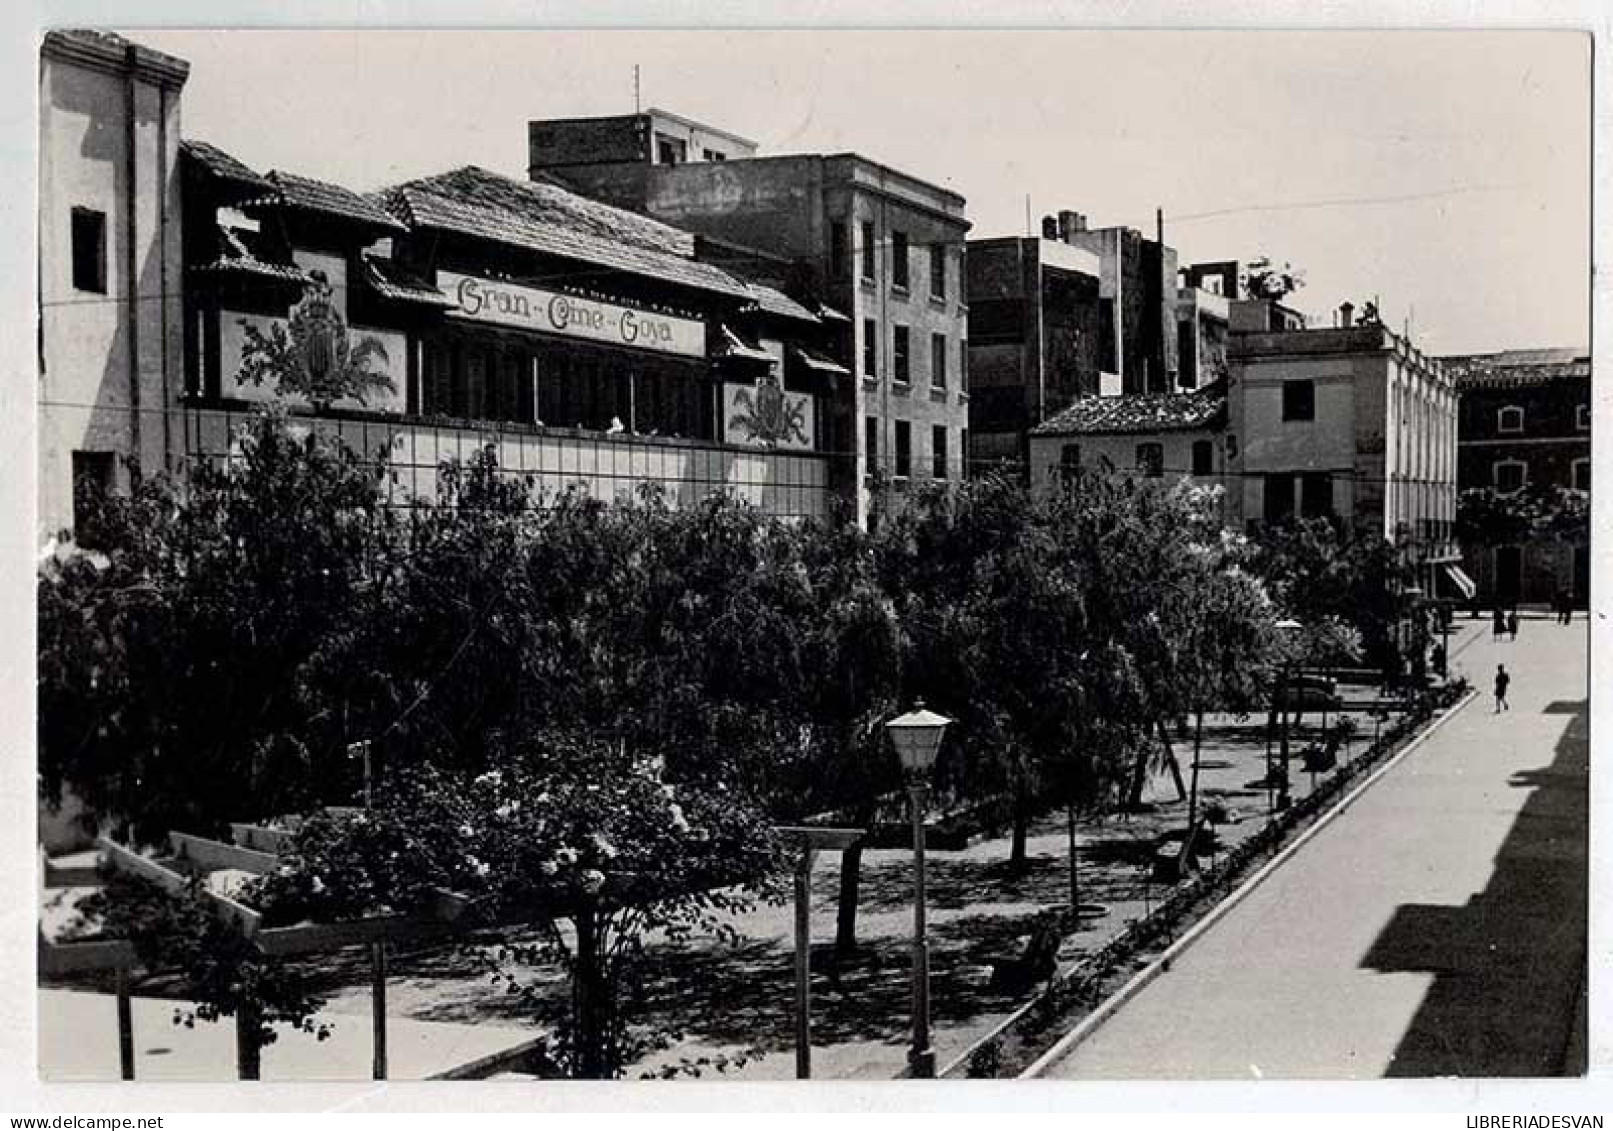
(1508,966)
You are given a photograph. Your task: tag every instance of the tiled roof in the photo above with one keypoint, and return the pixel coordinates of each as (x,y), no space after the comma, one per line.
(1518,368)
(1138,413)
(773,301)
(546,218)
(395,282)
(732,345)
(331,200)
(222,165)
(235,257)
(817,361)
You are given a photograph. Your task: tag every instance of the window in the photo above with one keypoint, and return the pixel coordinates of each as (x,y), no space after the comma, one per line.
(92,481)
(1151,460)
(1316,494)
(1279,497)
(871,443)
(1509,474)
(1299,400)
(670,150)
(89,250)
(715,155)
(1509,419)
(868,250)
(1203,457)
(963,453)
(1582,475)
(900,354)
(963,367)
(870,348)
(938,271)
(1069,461)
(938,451)
(837,248)
(938,361)
(904,449)
(899,263)
(1582,417)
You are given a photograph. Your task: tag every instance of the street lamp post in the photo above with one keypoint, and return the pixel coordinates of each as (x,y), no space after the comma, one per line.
(916,736)
(1288,627)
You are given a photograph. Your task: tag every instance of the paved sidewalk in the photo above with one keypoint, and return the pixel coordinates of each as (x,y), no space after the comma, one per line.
(1436,928)
(78,1041)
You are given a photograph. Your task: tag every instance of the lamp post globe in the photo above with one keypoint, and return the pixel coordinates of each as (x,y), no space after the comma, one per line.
(916,737)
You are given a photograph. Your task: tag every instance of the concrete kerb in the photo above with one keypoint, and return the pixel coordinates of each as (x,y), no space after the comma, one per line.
(1154,969)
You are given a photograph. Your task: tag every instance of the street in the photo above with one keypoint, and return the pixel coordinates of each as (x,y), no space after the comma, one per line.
(1436,928)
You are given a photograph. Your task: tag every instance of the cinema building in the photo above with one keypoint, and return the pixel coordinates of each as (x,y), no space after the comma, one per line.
(586,343)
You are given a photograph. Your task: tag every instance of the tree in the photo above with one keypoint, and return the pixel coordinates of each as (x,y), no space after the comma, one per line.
(1327,574)
(594,846)
(1486,516)
(1262,278)
(312,355)
(189,680)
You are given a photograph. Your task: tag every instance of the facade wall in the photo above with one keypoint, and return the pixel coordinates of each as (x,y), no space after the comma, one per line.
(1035,339)
(788,206)
(1550,441)
(1384,428)
(793,485)
(1119,452)
(109,361)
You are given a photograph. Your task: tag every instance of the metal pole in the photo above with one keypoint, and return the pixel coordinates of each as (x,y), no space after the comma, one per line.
(921,1059)
(378,1008)
(803,965)
(1282,740)
(125,1025)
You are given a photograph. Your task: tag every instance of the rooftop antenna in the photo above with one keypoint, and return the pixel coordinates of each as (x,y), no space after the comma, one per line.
(636,107)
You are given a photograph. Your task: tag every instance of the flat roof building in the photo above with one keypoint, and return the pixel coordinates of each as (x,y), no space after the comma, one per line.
(882,251)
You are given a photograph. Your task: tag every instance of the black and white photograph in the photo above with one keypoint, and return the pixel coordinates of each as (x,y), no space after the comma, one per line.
(740,555)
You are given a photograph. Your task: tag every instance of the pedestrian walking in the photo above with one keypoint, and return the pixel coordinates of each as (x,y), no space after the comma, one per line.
(1498,624)
(1512,625)
(1502,681)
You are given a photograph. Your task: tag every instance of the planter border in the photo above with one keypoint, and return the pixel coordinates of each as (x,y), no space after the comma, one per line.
(1111,1005)
(1064,990)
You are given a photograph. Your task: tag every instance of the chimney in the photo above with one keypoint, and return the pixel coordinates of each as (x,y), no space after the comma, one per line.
(1346,314)
(1050,228)
(1070,223)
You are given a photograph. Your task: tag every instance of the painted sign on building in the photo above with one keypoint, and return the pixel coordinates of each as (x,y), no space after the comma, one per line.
(531,308)
(765,414)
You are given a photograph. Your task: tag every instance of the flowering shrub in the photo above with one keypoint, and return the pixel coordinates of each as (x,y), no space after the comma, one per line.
(581,840)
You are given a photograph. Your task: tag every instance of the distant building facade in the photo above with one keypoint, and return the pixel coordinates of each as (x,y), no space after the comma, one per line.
(883,251)
(1352,421)
(1036,336)
(1137,283)
(110,284)
(1144,435)
(1526,421)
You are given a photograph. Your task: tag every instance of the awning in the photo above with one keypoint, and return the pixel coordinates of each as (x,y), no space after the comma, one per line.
(735,346)
(817,362)
(1462,581)
(392,281)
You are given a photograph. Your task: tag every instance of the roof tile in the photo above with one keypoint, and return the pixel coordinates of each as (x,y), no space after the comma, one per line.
(1138,413)
(546,218)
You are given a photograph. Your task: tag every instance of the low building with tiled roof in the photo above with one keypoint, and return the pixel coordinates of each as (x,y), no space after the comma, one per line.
(1139,412)
(1146,434)
(321,198)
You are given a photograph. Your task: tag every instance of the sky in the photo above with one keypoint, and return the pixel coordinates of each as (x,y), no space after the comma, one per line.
(1446,173)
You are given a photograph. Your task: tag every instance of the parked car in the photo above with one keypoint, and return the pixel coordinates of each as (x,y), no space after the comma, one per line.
(1313,693)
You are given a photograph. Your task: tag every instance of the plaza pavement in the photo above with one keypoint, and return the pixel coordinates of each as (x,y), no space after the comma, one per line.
(1435,928)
